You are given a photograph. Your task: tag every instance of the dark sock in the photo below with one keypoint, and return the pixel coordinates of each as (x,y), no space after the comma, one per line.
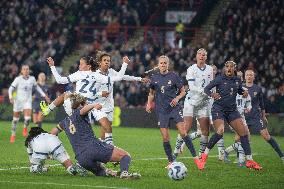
(188,142)
(168,151)
(39,124)
(124,163)
(213,140)
(245,144)
(275,146)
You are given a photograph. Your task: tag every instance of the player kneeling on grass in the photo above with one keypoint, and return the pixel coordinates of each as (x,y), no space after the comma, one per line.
(89,150)
(41,145)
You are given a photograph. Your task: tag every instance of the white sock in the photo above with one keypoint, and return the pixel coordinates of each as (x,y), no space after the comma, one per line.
(108,138)
(241,154)
(249,157)
(179,142)
(195,135)
(221,147)
(27,121)
(233,147)
(203,143)
(14,125)
(206,151)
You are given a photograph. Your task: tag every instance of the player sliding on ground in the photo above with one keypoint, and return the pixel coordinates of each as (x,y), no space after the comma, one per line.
(41,146)
(89,150)
(164,88)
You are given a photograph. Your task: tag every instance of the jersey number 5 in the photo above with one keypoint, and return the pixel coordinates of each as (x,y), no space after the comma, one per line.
(86,83)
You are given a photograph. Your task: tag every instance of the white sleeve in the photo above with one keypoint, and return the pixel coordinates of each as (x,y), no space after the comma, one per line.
(190,80)
(131,78)
(64,80)
(128,77)
(12,87)
(118,77)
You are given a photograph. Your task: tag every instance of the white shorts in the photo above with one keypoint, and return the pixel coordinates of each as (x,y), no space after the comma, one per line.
(96,115)
(47,145)
(20,105)
(199,112)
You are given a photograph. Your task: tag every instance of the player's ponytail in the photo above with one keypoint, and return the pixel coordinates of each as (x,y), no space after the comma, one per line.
(90,61)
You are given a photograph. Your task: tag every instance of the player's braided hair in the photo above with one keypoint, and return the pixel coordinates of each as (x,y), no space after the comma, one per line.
(35,131)
(77,100)
(90,61)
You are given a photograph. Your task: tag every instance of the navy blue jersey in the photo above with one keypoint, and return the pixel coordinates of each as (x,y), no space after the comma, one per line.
(227,87)
(167,87)
(38,96)
(257,103)
(79,131)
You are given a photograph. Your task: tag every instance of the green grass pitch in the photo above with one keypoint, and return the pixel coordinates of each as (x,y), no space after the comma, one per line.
(146,149)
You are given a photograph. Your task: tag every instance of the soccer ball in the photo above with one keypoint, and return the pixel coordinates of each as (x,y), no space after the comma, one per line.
(177,171)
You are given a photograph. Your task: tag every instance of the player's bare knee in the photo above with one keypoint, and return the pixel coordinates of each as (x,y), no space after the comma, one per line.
(220,130)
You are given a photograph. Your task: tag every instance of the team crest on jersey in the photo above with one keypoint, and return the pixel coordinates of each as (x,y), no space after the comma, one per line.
(254,93)
(237,82)
(159,123)
(169,82)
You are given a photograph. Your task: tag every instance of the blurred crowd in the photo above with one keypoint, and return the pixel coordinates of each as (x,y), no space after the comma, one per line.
(248,32)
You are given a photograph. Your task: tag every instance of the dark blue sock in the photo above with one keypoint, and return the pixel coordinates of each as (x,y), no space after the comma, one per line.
(213,140)
(39,124)
(188,142)
(124,163)
(168,151)
(275,146)
(245,144)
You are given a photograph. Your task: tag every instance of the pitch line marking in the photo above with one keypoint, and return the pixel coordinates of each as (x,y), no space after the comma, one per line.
(62,184)
(142,159)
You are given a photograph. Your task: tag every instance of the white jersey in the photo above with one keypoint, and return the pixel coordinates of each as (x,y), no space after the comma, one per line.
(23,87)
(108,102)
(243,103)
(87,82)
(46,145)
(198,79)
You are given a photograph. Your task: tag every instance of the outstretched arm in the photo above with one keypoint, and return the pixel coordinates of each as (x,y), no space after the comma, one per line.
(89,107)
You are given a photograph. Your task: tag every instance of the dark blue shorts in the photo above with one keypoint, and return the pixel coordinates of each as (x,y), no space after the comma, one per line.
(256,122)
(36,107)
(97,152)
(226,115)
(164,118)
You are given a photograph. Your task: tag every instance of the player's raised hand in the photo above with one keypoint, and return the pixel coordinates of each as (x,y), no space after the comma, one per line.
(216,96)
(126,59)
(148,108)
(145,80)
(50,61)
